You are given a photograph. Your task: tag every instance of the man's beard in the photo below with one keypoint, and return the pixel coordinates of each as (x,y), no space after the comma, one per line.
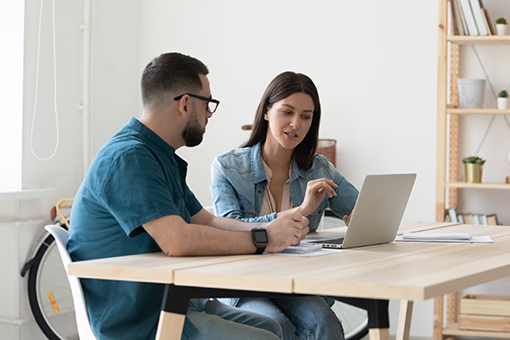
(193,133)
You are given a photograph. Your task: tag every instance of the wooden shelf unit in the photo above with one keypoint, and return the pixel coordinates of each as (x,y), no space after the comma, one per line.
(447,174)
(479,40)
(465,185)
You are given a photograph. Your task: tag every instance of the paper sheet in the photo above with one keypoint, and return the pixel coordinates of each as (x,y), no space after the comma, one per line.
(474,239)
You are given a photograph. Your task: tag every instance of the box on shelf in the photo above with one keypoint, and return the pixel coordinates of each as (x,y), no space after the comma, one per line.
(485,312)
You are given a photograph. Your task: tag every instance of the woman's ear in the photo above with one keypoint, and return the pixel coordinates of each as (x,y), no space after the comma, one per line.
(266,116)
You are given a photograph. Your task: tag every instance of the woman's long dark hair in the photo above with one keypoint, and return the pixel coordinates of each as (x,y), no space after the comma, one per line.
(281,87)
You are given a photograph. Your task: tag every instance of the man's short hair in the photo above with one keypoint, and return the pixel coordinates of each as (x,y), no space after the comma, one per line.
(169,75)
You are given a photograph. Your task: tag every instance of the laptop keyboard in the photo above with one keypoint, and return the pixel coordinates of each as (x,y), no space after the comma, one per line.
(333,241)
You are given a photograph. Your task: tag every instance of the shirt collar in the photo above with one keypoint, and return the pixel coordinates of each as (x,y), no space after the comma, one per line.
(153,138)
(257,167)
(258,174)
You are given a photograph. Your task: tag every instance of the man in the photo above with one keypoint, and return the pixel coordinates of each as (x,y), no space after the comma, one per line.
(134,199)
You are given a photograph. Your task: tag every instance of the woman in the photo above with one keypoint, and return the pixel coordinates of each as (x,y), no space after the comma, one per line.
(275,172)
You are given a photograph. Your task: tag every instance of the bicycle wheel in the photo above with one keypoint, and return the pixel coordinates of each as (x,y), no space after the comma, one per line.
(50,295)
(354,320)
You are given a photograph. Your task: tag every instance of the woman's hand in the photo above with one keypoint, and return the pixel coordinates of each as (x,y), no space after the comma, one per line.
(347,219)
(315,191)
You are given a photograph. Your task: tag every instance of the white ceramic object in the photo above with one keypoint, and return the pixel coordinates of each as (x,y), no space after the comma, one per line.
(500,29)
(502,103)
(471,93)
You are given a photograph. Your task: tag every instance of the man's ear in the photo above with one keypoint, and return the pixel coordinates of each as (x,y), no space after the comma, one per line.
(185,105)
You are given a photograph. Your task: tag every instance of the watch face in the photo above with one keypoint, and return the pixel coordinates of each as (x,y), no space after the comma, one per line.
(260,236)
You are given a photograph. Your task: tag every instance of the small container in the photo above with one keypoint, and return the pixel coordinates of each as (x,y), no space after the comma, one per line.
(473,172)
(500,29)
(502,103)
(471,93)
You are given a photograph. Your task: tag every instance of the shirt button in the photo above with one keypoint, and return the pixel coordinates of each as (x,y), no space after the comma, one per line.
(320,211)
(260,191)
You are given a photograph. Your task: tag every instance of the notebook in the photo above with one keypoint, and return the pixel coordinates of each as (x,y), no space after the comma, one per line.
(377,214)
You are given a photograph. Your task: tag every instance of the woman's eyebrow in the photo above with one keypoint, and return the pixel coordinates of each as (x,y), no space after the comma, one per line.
(293,108)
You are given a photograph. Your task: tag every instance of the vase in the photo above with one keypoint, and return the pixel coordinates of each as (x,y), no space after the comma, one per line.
(473,172)
(500,29)
(502,103)
(471,92)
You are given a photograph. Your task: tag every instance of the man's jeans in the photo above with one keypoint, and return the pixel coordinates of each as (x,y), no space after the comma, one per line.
(214,320)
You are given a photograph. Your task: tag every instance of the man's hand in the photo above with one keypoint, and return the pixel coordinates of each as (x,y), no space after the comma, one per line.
(286,230)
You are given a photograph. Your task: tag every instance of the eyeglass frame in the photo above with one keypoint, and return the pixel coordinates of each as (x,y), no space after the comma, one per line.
(208,100)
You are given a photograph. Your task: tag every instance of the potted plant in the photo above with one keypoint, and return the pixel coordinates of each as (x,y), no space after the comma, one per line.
(503,100)
(501,26)
(473,167)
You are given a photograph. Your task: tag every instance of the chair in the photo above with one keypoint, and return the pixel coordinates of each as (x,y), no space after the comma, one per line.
(80,309)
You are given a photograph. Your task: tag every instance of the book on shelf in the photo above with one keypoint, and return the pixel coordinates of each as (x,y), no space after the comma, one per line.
(458,23)
(488,21)
(483,219)
(468,16)
(451,215)
(476,7)
(492,219)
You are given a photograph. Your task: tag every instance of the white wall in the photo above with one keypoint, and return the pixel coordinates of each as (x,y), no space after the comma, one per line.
(374,63)
(370,76)
(114,91)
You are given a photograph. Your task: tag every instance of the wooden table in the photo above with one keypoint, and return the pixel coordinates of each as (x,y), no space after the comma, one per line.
(398,270)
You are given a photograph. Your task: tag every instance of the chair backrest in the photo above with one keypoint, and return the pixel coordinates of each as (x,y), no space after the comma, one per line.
(80,309)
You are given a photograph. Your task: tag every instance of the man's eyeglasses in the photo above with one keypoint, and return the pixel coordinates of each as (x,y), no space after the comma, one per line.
(212,104)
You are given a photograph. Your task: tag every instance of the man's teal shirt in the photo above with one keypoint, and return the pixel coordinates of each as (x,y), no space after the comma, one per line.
(135,178)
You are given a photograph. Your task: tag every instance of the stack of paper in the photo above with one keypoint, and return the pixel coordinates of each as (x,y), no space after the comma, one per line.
(443,237)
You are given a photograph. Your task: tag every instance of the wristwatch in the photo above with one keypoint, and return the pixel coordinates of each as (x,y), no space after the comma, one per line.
(260,240)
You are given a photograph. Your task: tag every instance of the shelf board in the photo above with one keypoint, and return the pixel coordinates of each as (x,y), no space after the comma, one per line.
(453,329)
(480,40)
(477,185)
(477,111)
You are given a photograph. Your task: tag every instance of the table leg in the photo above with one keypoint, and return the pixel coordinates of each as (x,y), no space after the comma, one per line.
(170,326)
(173,313)
(379,334)
(404,320)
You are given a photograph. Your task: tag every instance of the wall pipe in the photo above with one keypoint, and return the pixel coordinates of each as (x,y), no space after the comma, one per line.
(85,106)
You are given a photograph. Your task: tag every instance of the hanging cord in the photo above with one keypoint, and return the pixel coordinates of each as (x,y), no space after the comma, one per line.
(37,85)
(495,96)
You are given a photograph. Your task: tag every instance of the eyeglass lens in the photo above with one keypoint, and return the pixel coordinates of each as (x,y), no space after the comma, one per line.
(212,106)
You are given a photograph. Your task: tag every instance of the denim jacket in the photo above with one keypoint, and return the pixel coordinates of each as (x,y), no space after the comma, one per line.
(239,183)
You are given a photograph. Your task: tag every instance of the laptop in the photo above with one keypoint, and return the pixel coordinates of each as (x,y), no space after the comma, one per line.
(377,214)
